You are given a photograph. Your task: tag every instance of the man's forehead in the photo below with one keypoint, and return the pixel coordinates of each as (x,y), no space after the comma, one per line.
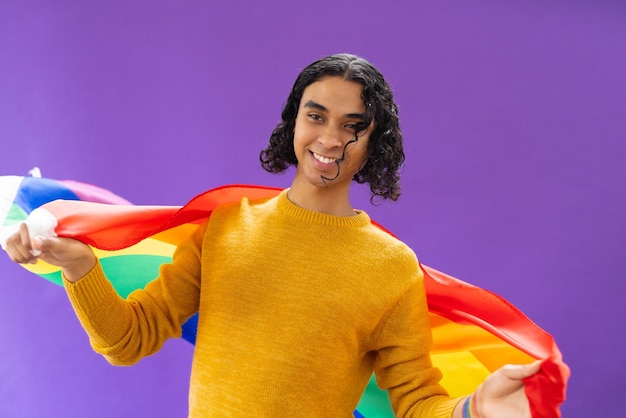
(334,95)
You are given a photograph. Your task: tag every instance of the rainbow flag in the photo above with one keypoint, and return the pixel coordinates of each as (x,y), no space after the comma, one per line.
(475,331)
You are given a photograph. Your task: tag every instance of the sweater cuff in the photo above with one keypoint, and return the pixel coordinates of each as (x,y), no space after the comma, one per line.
(446,408)
(91,291)
(98,307)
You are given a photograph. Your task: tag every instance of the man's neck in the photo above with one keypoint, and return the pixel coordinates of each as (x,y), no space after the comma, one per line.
(323,200)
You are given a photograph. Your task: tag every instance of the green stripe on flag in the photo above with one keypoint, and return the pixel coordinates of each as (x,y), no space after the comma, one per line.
(375,402)
(126,272)
(131,272)
(14,215)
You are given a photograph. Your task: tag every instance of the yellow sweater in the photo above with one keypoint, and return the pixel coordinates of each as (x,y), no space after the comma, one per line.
(296,310)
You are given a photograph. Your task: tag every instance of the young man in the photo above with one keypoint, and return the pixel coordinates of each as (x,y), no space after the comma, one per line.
(278,282)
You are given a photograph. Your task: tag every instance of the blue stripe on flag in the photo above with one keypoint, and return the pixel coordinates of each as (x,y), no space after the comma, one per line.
(34,192)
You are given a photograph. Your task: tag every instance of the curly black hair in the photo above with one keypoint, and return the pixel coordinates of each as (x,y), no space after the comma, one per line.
(385,151)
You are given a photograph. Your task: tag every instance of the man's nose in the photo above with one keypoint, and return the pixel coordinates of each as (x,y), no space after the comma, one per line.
(330,138)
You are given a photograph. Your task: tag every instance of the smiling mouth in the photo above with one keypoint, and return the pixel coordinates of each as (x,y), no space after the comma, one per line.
(322,159)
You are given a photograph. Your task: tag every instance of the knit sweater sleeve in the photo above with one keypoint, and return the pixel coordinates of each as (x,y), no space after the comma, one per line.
(126,330)
(403,366)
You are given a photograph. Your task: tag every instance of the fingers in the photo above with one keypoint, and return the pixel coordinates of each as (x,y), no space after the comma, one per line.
(23,249)
(38,244)
(24,236)
(74,257)
(19,246)
(502,393)
(508,379)
(521,371)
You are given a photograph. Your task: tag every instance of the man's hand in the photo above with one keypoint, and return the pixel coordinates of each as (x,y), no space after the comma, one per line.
(74,257)
(502,393)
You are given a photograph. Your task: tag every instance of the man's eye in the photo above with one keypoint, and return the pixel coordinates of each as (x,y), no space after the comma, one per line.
(315,116)
(356,127)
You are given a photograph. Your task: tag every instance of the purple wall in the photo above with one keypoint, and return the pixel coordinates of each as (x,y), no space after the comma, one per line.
(514,120)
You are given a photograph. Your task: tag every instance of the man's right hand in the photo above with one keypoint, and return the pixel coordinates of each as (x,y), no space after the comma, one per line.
(74,257)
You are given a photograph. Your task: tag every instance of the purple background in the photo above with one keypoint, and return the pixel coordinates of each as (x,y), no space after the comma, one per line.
(514,122)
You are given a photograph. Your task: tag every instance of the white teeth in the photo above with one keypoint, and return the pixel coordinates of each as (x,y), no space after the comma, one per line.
(323,159)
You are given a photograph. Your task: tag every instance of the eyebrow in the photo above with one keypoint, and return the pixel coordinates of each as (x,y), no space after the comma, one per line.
(314,105)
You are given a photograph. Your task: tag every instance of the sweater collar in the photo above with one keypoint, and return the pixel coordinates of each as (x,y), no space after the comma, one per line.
(359,219)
